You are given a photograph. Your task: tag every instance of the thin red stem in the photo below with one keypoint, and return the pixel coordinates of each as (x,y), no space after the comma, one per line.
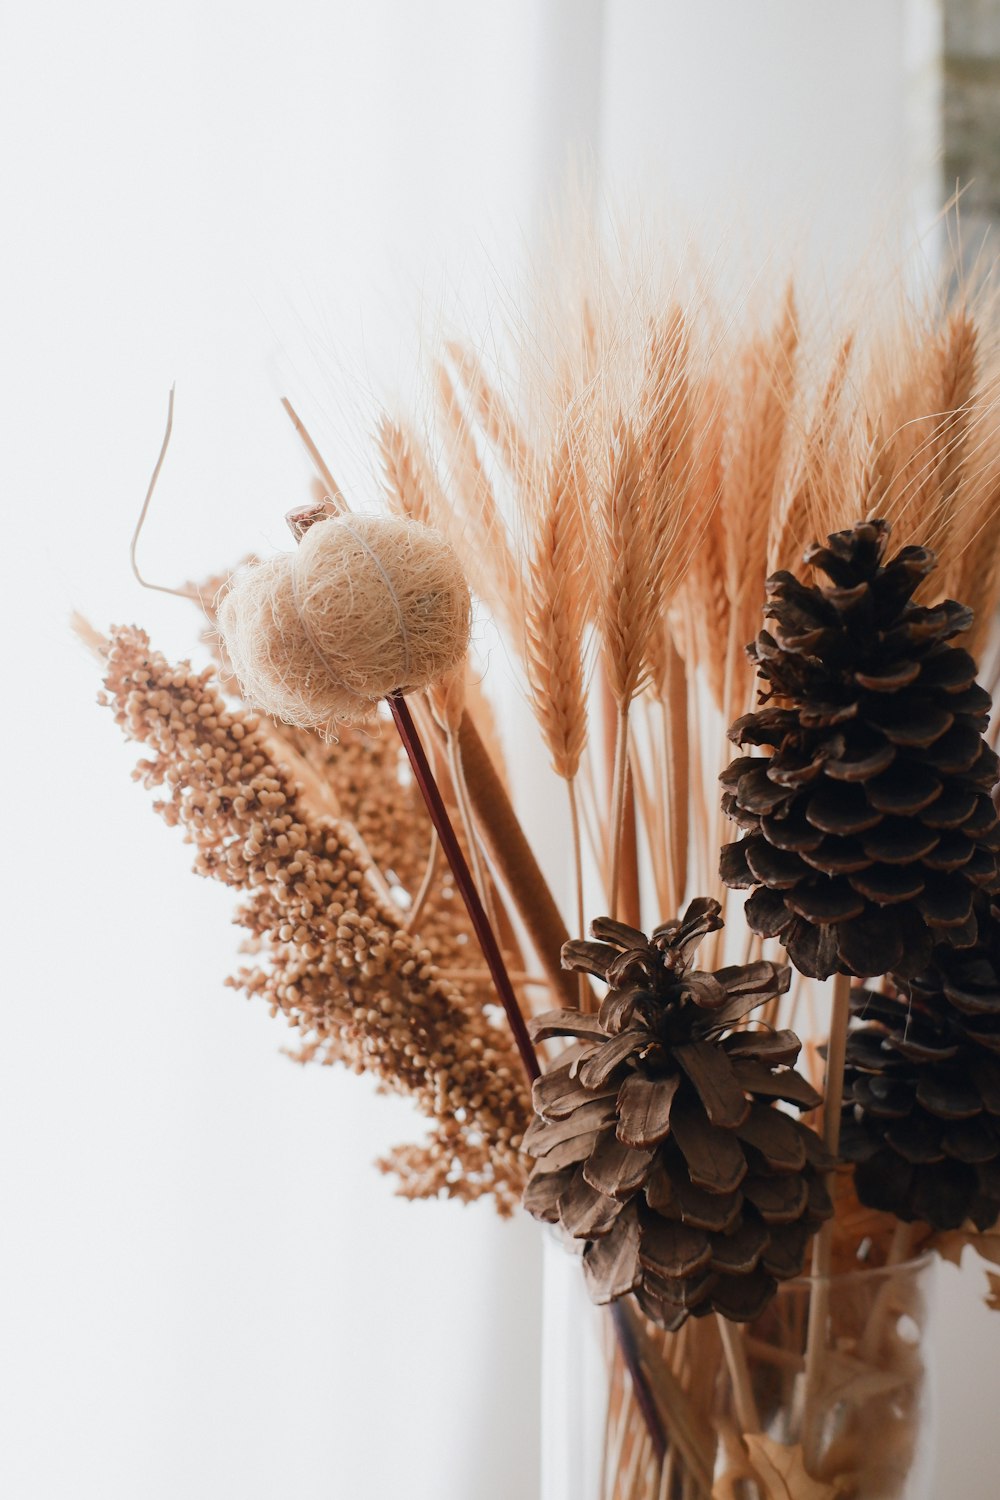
(463,879)
(300,521)
(494,959)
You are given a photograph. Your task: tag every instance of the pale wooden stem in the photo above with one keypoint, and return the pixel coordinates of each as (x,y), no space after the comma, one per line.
(487,938)
(514,859)
(833,1090)
(901,1245)
(159,588)
(674,707)
(586,994)
(468,824)
(819,1301)
(773,1354)
(426,884)
(334,491)
(619,775)
(736,1359)
(653,824)
(899,1251)
(675,876)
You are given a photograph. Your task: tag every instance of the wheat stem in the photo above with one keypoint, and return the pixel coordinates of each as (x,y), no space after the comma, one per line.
(426,884)
(334,493)
(465,813)
(514,859)
(819,1300)
(585,993)
(640,1387)
(424,777)
(739,1373)
(619,776)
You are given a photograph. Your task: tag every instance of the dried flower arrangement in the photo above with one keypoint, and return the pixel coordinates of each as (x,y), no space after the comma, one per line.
(702,1137)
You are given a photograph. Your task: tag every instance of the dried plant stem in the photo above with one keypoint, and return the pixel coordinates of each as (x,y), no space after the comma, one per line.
(900,1248)
(584,992)
(426,884)
(653,824)
(643,1395)
(619,776)
(514,858)
(465,813)
(687,1426)
(703,876)
(819,1301)
(736,1360)
(667,1476)
(638,1465)
(334,492)
(773,1354)
(616,1419)
(424,777)
(574,819)
(901,1244)
(594,831)
(674,721)
(833,1091)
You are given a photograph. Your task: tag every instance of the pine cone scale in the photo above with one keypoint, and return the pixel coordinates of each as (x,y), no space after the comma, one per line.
(715,1082)
(614,1169)
(644,1107)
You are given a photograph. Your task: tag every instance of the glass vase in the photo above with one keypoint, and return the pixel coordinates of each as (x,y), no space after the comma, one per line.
(857,1414)
(749,1413)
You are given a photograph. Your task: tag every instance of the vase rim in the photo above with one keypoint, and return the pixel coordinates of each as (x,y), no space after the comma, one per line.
(912,1263)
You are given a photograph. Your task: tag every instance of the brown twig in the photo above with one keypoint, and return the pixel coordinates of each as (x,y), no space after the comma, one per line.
(424,777)
(334,492)
(514,858)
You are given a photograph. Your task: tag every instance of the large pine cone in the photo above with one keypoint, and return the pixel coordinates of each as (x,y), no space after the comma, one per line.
(870,826)
(922,1090)
(658,1146)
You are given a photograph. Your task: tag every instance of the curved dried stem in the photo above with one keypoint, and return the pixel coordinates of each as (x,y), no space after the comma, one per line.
(426,883)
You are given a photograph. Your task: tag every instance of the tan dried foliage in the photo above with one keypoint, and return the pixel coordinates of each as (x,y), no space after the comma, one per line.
(410,484)
(333,957)
(477,528)
(554,615)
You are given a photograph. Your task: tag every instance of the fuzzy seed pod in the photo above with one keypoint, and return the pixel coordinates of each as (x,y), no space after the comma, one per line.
(367,606)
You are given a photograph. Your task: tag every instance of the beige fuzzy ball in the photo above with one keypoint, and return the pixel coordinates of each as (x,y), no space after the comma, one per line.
(367,606)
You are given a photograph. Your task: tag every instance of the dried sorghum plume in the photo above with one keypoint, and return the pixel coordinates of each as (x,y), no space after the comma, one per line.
(335,959)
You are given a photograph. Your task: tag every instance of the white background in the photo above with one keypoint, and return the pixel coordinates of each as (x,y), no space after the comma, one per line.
(205,1291)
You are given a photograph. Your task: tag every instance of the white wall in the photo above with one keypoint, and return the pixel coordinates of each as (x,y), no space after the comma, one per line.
(254,200)
(205,1289)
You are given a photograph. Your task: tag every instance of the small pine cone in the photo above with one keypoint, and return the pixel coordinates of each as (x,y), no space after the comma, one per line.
(659,1148)
(869,828)
(922,1090)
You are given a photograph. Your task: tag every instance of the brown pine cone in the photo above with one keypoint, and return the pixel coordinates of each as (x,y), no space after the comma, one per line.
(869,826)
(922,1090)
(659,1147)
